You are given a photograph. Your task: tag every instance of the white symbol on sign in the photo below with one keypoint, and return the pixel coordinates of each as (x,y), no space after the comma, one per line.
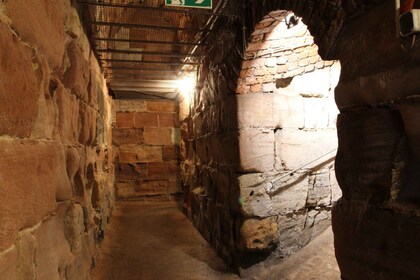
(178,2)
(199,1)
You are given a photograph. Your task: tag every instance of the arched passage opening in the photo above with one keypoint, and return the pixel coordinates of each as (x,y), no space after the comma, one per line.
(258,142)
(287,138)
(376,107)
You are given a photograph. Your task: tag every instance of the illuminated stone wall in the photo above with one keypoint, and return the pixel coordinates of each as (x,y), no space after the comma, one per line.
(56,174)
(146,139)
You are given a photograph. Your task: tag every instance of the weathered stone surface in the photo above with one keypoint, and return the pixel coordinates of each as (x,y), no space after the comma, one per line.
(319,193)
(41,23)
(288,111)
(125,171)
(146,120)
(168,120)
(161,106)
(68,115)
(123,136)
(136,154)
(383,243)
(158,136)
(125,120)
(46,119)
(77,76)
(18,86)
(25,200)
(254,200)
(163,169)
(170,153)
(26,246)
(291,194)
(256,150)
(259,234)
(63,187)
(368,141)
(255,110)
(53,252)
(130,105)
(295,148)
(75,29)
(8,263)
(87,120)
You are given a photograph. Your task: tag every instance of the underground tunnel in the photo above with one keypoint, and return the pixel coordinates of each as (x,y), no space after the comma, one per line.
(210,139)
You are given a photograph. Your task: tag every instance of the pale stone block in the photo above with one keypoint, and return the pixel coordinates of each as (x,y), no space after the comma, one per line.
(316,112)
(255,110)
(288,111)
(254,200)
(256,150)
(295,148)
(291,193)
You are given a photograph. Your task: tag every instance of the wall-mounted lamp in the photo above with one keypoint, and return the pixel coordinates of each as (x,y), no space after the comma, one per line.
(186,86)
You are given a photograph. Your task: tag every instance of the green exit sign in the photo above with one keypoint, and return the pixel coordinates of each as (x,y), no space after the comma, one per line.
(202,4)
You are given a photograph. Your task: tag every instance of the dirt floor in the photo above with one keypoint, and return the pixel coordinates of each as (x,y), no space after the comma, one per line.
(155,241)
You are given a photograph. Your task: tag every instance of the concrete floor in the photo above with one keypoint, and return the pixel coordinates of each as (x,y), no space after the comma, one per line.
(155,241)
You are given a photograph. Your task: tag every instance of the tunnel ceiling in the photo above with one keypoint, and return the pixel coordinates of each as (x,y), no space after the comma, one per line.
(144,47)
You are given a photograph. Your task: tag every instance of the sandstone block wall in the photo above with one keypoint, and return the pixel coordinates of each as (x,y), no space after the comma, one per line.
(248,126)
(56,174)
(286,119)
(378,159)
(146,141)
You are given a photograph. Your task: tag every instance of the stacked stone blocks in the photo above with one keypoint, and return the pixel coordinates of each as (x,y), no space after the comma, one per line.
(146,144)
(56,172)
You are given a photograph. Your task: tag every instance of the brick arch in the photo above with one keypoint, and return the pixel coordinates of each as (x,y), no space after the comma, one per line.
(324,19)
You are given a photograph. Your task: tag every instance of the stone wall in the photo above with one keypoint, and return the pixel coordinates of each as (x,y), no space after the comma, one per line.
(377,220)
(245,128)
(146,140)
(56,175)
(286,120)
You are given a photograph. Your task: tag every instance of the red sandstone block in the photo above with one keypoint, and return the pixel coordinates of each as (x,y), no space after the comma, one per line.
(168,120)
(77,76)
(41,24)
(126,171)
(162,106)
(29,174)
(18,86)
(170,153)
(125,120)
(152,187)
(136,154)
(146,120)
(158,136)
(53,249)
(174,186)
(123,136)
(163,169)
(68,115)
(130,105)
(87,119)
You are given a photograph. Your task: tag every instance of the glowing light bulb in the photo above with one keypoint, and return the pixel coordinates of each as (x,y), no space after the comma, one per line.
(186,86)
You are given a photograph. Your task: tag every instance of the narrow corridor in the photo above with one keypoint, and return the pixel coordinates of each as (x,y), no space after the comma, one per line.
(154,240)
